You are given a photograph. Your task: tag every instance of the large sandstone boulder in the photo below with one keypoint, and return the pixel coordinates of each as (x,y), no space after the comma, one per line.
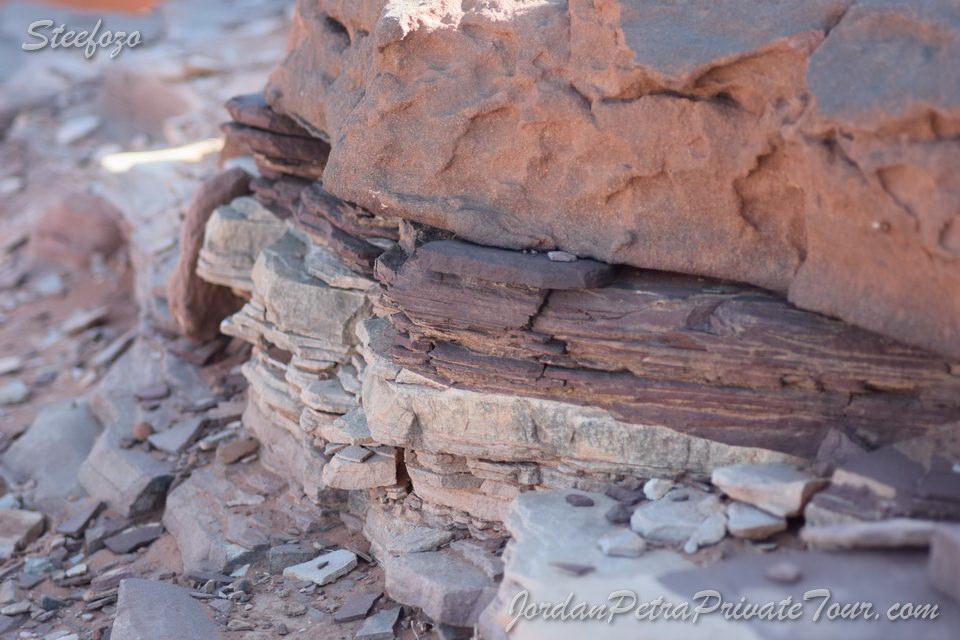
(809,148)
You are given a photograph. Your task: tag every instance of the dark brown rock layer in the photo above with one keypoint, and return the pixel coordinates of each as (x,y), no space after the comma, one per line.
(726,362)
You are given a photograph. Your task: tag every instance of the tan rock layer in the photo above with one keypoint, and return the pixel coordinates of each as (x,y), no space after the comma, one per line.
(720,361)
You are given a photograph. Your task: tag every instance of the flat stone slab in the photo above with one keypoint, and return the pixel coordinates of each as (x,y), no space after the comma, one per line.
(350,428)
(149,610)
(448,588)
(380,625)
(357,606)
(131,482)
(177,438)
(345,471)
(324,568)
(746,521)
(778,488)
(65,433)
(133,538)
(670,520)
(79,516)
(328,396)
(511,267)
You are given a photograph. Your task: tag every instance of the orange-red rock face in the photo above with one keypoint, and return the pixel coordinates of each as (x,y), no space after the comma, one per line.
(810,148)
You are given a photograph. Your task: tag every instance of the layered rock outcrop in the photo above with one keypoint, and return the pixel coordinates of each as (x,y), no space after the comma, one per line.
(446,265)
(807,148)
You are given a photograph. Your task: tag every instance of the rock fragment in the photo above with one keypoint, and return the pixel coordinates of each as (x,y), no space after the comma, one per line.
(282,556)
(380,625)
(133,538)
(149,610)
(18,528)
(79,517)
(356,606)
(777,488)
(324,568)
(237,450)
(671,521)
(656,488)
(746,521)
(14,391)
(625,544)
(177,438)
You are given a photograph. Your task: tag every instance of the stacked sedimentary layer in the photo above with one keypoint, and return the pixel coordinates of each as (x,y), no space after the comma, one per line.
(810,148)
(725,362)
(301,259)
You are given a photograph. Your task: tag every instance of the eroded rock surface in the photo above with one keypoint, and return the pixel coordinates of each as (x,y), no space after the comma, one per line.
(808,148)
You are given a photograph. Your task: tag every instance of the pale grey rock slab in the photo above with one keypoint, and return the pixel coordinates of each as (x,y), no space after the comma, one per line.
(328,396)
(380,625)
(780,489)
(480,557)
(344,471)
(325,568)
(64,432)
(350,428)
(546,531)
(444,585)
(751,523)
(656,488)
(210,535)
(325,265)
(625,544)
(150,610)
(673,521)
(391,535)
(177,438)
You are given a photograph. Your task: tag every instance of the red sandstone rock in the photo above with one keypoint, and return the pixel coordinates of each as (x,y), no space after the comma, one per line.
(810,148)
(199,306)
(75,228)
